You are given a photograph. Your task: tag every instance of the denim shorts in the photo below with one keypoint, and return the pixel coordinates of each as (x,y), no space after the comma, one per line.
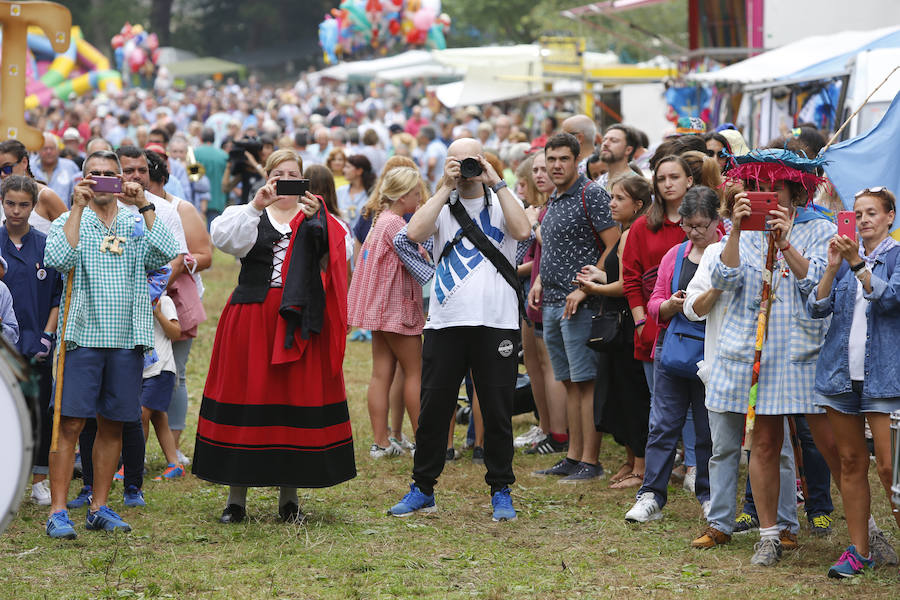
(854,403)
(156,392)
(572,360)
(102,381)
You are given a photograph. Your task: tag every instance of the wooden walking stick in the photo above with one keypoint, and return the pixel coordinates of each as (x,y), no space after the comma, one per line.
(762,326)
(60,364)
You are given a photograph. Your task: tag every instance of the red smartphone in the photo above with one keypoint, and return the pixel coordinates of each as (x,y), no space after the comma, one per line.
(109,185)
(846,222)
(760,205)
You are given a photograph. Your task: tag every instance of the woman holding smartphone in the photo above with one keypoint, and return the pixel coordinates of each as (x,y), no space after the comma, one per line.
(787,366)
(856,373)
(274,409)
(674,394)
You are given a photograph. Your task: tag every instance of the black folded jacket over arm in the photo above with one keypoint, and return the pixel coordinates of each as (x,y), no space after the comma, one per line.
(303,301)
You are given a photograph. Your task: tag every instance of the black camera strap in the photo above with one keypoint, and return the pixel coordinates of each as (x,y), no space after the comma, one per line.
(486,247)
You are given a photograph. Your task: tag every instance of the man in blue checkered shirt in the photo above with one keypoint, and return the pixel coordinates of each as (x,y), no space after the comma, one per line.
(107,253)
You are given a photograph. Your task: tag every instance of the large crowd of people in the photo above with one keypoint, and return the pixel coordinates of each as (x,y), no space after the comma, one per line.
(647,301)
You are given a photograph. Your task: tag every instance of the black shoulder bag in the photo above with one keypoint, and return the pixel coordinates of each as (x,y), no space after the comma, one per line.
(487,248)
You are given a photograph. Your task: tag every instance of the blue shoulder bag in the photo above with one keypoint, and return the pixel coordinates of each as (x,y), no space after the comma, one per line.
(682,346)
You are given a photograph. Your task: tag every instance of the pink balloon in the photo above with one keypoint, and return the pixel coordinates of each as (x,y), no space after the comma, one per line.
(117,41)
(152,42)
(423,19)
(137,58)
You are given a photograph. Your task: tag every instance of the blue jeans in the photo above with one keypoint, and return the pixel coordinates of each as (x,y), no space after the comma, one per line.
(688,435)
(727,429)
(673,397)
(572,360)
(818,476)
(178,408)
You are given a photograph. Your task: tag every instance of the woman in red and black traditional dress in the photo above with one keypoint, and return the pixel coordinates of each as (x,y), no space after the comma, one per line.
(274,409)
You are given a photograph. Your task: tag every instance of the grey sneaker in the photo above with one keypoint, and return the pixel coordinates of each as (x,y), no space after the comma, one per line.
(561,469)
(584,472)
(881,550)
(766,553)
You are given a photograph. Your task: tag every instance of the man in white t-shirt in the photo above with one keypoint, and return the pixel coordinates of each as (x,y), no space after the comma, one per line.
(473,324)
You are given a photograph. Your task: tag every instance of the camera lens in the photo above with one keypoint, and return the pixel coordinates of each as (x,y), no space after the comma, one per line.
(469,167)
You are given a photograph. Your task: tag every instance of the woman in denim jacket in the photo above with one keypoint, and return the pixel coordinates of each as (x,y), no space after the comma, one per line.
(857,372)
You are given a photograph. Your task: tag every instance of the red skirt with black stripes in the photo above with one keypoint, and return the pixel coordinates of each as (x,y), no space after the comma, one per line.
(265,424)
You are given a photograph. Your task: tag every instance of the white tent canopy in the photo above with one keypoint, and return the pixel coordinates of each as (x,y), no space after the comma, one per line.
(812,57)
(371,68)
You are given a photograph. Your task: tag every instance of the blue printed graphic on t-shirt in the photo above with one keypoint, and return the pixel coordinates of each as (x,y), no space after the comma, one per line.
(462,260)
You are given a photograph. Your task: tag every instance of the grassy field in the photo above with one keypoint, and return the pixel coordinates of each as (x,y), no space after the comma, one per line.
(569,541)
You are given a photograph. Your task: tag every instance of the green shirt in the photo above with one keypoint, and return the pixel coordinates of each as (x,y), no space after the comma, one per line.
(213,160)
(110,298)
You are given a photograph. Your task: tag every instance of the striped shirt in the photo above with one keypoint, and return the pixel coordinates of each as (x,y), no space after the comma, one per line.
(788,364)
(110,299)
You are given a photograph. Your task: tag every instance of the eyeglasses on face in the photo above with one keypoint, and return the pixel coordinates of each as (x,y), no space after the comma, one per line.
(102,174)
(701,229)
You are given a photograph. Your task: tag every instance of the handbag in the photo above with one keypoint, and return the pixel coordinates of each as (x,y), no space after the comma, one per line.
(682,347)
(606,332)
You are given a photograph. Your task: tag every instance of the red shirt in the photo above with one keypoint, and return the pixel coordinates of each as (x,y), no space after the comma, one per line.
(643,252)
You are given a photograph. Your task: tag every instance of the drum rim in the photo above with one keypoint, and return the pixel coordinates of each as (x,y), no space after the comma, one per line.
(8,375)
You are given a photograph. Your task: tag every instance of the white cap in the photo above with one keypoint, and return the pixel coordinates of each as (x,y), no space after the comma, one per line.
(71,134)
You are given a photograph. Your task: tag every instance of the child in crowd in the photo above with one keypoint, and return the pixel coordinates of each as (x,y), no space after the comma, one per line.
(386,299)
(159,383)
(8,323)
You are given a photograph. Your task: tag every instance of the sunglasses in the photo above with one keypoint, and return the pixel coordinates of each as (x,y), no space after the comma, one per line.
(873,190)
(7,169)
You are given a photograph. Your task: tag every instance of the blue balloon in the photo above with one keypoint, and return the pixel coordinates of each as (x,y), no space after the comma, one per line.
(328,35)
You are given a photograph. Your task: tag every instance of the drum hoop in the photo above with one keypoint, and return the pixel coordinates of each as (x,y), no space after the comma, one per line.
(12,377)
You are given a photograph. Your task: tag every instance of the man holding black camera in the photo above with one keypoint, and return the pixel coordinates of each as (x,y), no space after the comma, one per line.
(473,321)
(246,167)
(109,324)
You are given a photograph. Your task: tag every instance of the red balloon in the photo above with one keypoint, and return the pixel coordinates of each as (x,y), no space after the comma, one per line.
(118,41)
(394,26)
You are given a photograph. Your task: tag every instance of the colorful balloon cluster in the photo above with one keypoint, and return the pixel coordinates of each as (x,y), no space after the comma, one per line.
(382,24)
(135,49)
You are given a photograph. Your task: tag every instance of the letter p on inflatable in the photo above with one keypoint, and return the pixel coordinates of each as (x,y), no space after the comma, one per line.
(56,21)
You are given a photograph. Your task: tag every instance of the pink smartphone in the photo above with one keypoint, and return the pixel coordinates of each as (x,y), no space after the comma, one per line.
(846,222)
(107,185)
(760,205)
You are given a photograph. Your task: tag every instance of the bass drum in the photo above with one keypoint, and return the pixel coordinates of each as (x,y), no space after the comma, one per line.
(17,439)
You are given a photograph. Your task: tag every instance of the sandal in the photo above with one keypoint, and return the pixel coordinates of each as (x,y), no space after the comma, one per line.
(623,472)
(629,481)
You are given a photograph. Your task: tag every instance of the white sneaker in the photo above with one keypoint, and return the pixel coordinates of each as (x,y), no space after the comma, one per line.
(690,479)
(403,443)
(40,493)
(184,460)
(705,506)
(645,509)
(529,437)
(392,449)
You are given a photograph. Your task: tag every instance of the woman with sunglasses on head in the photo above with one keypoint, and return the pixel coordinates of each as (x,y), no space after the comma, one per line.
(14,161)
(857,373)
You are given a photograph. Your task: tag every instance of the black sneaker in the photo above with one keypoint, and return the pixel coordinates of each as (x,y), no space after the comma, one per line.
(563,468)
(548,446)
(452,454)
(745,522)
(585,472)
(478,455)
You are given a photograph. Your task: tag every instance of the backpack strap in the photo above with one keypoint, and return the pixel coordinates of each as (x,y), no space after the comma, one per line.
(491,252)
(588,217)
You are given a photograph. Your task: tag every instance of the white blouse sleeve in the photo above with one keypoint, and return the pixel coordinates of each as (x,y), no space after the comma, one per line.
(235,230)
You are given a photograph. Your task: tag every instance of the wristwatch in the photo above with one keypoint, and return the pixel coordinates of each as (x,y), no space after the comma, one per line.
(858,266)
(146,207)
(535,226)
(498,186)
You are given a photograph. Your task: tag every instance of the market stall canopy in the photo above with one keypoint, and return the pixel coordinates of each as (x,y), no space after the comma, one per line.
(425,70)
(808,59)
(203,67)
(370,69)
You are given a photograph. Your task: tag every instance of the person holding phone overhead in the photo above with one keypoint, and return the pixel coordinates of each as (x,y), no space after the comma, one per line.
(274,409)
(856,373)
(787,366)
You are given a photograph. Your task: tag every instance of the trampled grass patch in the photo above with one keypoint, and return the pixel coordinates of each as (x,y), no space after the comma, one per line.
(568,542)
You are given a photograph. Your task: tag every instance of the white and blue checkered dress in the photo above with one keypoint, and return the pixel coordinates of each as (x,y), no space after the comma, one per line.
(788,366)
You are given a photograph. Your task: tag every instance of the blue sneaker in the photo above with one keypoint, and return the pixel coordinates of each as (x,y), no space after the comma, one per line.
(82,499)
(133,496)
(850,564)
(60,526)
(503,508)
(104,518)
(415,501)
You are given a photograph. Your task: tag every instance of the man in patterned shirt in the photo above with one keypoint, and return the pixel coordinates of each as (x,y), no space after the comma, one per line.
(108,251)
(577,230)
